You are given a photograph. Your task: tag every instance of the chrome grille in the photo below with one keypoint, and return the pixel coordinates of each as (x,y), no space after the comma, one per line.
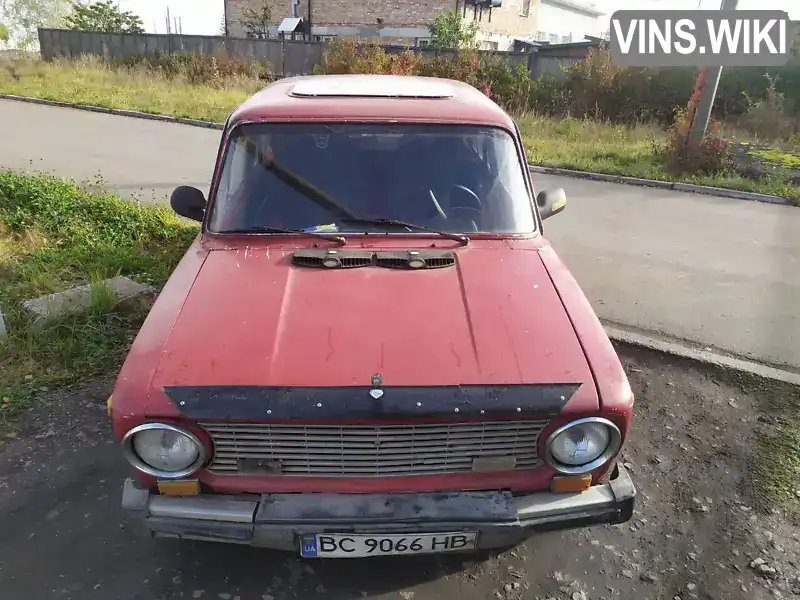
(372,450)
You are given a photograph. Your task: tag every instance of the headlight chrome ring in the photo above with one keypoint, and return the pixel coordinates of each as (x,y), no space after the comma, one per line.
(614,444)
(138,463)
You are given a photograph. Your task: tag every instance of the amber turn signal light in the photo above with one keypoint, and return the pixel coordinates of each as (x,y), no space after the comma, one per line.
(570,483)
(181,487)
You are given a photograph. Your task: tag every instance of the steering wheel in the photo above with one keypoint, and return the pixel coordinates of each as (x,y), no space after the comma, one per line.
(466,192)
(468,210)
(452,218)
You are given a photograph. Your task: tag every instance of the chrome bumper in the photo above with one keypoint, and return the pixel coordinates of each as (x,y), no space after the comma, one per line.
(275,520)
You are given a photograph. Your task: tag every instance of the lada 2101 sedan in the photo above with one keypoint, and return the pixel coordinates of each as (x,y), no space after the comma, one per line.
(370,348)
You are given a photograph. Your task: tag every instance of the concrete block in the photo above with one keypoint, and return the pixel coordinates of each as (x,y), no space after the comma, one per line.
(79,298)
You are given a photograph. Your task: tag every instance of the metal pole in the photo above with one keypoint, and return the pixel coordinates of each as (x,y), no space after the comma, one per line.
(706,100)
(308,24)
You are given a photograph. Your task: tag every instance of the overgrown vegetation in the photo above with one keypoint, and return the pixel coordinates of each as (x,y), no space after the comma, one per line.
(707,155)
(54,235)
(598,89)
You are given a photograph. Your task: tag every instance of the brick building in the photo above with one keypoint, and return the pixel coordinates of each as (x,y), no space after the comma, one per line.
(394,21)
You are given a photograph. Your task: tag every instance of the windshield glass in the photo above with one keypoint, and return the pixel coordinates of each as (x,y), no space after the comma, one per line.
(331,177)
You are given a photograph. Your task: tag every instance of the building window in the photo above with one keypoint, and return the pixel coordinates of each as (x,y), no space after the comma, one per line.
(490,45)
(526,8)
(566,39)
(323,38)
(423,43)
(541,36)
(553,38)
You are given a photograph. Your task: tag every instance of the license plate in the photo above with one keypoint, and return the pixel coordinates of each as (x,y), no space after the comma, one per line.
(347,545)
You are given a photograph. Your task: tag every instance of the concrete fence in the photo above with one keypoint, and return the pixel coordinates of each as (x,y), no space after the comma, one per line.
(287,57)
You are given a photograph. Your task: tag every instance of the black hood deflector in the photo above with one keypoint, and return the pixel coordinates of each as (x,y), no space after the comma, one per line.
(393,402)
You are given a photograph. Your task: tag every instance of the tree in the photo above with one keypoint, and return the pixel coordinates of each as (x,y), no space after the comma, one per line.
(450,31)
(103,16)
(256,22)
(5,34)
(24,17)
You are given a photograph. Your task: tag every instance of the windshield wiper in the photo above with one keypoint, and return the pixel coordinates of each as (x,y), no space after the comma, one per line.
(306,188)
(263,229)
(462,239)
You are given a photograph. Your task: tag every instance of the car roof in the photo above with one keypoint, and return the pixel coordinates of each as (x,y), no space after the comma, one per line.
(398,98)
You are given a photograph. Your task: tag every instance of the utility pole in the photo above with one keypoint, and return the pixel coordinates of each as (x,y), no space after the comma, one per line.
(708,92)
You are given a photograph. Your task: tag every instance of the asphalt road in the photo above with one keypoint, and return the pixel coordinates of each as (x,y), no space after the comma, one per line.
(719,272)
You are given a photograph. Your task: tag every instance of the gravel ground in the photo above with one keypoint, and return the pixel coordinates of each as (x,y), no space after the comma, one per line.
(699,531)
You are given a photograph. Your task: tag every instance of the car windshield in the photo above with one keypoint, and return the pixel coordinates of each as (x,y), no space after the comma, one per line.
(338,177)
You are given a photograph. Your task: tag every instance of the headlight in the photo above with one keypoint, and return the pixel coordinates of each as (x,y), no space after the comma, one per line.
(582,445)
(164,450)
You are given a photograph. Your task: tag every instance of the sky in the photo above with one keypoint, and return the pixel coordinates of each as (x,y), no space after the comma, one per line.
(203,17)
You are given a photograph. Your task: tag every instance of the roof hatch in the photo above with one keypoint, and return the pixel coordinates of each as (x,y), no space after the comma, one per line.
(371,87)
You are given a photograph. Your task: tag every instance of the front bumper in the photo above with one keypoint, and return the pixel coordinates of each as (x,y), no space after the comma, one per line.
(276,520)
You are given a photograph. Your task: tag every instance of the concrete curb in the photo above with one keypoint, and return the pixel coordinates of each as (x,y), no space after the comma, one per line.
(704,356)
(668,185)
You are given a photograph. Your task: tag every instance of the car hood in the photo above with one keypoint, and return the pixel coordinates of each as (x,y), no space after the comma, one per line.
(253,319)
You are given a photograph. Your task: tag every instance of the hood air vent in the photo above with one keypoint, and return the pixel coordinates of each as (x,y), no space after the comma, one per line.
(347,259)
(416,259)
(332,259)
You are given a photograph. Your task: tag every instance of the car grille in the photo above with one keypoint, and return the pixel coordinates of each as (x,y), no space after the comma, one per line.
(373,450)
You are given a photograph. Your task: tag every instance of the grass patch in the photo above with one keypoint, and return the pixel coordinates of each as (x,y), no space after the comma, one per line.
(785,158)
(775,462)
(586,145)
(90,81)
(55,235)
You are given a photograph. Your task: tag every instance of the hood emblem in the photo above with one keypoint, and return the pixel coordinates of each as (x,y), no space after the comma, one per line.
(376,380)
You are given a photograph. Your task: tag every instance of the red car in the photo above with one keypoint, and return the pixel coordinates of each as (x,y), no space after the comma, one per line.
(370,348)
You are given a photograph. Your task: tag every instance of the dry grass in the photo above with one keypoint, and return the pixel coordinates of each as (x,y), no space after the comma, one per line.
(587,145)
(633,151)
(90,81)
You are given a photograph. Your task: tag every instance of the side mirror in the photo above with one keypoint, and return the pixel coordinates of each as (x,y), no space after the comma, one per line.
(188,202)
(551,202)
